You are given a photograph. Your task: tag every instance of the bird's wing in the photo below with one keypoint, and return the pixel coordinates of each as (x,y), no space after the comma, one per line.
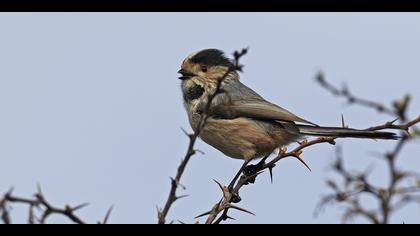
(240,101)
(259,109)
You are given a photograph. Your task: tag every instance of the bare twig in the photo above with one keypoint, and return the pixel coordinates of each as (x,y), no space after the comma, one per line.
(352,99)
(356,185)
(40,209)
(38,202)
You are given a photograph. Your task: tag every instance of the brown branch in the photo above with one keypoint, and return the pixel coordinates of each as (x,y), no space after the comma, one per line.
(162,214)
(352,99)
(40,209)
(356,185)
(391,125)
(38,202)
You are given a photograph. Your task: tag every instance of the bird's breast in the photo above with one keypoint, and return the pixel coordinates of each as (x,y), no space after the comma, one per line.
(239,138)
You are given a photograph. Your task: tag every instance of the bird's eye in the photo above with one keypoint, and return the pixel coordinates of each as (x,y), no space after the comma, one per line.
(204,68)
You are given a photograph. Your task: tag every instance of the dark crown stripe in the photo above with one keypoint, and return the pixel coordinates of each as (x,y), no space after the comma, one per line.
(211,57)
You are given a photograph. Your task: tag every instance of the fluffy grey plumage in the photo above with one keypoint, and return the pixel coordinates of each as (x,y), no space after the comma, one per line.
(243,124)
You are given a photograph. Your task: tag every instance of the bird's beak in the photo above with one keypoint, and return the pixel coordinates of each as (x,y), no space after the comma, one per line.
(185,74)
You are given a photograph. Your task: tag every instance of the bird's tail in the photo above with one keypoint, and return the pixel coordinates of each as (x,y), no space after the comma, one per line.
(344,132)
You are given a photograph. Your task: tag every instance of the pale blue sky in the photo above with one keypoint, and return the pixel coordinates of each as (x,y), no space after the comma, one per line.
(91,106)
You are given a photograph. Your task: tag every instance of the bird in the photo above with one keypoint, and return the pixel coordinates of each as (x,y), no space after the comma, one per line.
(240,123)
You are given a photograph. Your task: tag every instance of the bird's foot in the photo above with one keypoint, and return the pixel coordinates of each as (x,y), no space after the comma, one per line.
(254,169)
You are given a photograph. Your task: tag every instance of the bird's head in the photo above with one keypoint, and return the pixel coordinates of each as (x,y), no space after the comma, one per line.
(207,66)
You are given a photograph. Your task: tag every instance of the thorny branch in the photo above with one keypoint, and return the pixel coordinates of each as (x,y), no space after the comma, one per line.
(231,193)
(39,204)
(175,182)
(352,99)
(400,191)
(403,189)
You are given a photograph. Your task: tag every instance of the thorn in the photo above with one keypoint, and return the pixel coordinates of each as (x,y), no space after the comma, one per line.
(108,214)
(215,208)
(297,156)
(240,209)
(80,206)
(177,183)
(204,214)
(10,191)
(298,153)
(182,196)
(38,186)
(393,122)
(181,222)
(270,169)
(199,151)
(343,122)
(186,133)
(230,218)
(220,185)
(39,195)
(182,186)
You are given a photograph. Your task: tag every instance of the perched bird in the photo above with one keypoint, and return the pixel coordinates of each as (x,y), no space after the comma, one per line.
(241,123)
